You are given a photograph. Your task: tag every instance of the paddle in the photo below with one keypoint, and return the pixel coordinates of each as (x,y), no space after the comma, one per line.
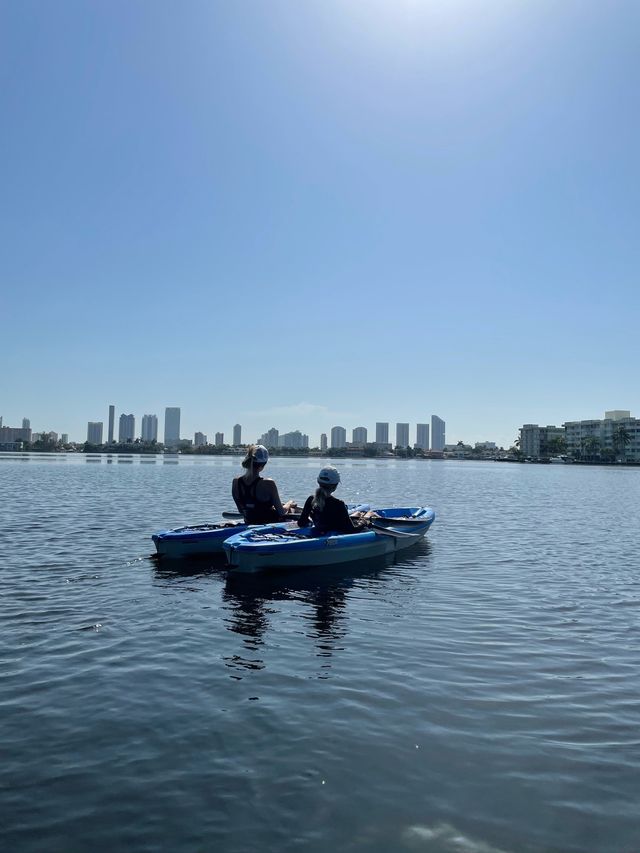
(397,534)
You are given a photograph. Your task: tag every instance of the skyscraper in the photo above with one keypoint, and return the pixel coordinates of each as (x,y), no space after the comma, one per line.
(382,433)
(219,439)
(126,428)
(112,417)
(402,435)
(422,437)
(199,439)
(271,438)
(149,430)
(359,436)
(237,435)
(172,426)
(338,437)
(26,423)
(94,432)
(437,433)
(323,442)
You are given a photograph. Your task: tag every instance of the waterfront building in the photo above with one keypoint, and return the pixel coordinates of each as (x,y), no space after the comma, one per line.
(323,442)
(10,434)
(271,438)
(437,433)
(112,418)
(294,440)
(608,439)
(535,441)
(338,437)
(199,439)
(359,436)
(219,439)
(64,438)
(149,430)
(237,435)
(422,437)
(26,423)
(382,433)
(94,432)
(402,435)
(172,426)
(126,428)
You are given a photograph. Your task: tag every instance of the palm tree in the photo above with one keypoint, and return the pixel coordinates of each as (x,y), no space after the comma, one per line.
(592,445)
(621,438)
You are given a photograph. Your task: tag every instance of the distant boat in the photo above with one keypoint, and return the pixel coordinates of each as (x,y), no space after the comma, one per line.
(560,460)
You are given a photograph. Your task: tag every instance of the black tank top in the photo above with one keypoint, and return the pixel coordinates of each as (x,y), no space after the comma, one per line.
(255,510)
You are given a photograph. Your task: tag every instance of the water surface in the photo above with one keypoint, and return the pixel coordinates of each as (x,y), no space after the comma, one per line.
(480,693)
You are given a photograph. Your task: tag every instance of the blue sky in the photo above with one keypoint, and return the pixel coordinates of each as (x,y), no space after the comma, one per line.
(307,214)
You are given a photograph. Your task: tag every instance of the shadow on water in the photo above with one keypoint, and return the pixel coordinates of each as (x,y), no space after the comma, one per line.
(321,593)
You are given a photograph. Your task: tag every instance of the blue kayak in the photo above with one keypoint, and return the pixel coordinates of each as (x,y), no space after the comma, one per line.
(287,545)
(199,540)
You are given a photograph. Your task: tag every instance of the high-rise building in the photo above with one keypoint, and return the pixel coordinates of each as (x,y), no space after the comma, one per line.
(126,428)
(270,438)
(112,417)
(199,439)
(437,433)
(382,433)
(323,442)
(237,435)
(422,437)
(295,440)
(94,432)
(338,437)
(149,431)
(172,426)
(26,423)
(11,434)
(64,438)
(219,439)
(402,435)
(359,436)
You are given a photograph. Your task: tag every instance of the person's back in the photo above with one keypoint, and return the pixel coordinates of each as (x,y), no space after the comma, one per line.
(256,498)
(328,514)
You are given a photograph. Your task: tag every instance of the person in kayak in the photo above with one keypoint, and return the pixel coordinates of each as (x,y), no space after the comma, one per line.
(257,498)
(328,513)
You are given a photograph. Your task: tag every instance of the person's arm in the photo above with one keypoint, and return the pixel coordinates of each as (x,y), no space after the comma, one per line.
(347,524)
(305,518)
(275,497)
(235,494)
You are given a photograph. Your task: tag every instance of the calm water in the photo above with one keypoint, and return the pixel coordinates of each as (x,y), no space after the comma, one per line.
(480,694)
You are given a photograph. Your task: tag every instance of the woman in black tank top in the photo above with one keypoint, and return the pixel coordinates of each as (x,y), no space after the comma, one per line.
(257,498)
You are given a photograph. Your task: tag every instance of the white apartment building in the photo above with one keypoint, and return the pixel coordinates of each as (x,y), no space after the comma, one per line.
(338,437)
(382,433)
(437,433)
(172,426)
(271,438)
(219,439)
(612,438)
(94,432)
(422,437)
(126,428)
(535,440)
(294,440)
(359,436)
(402,435)
(149,430)
(323,442)
(237,435)
(199,439)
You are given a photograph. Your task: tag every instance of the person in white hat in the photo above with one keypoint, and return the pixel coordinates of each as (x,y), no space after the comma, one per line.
(328,513)
(256,497)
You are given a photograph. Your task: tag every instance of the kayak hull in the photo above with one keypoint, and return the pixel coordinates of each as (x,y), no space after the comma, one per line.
(280,546)
(201,540)
(196,540)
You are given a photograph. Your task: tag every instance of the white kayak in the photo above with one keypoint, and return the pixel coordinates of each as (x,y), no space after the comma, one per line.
(289,546)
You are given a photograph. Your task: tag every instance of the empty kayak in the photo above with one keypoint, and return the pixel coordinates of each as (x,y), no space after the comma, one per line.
(288,546)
